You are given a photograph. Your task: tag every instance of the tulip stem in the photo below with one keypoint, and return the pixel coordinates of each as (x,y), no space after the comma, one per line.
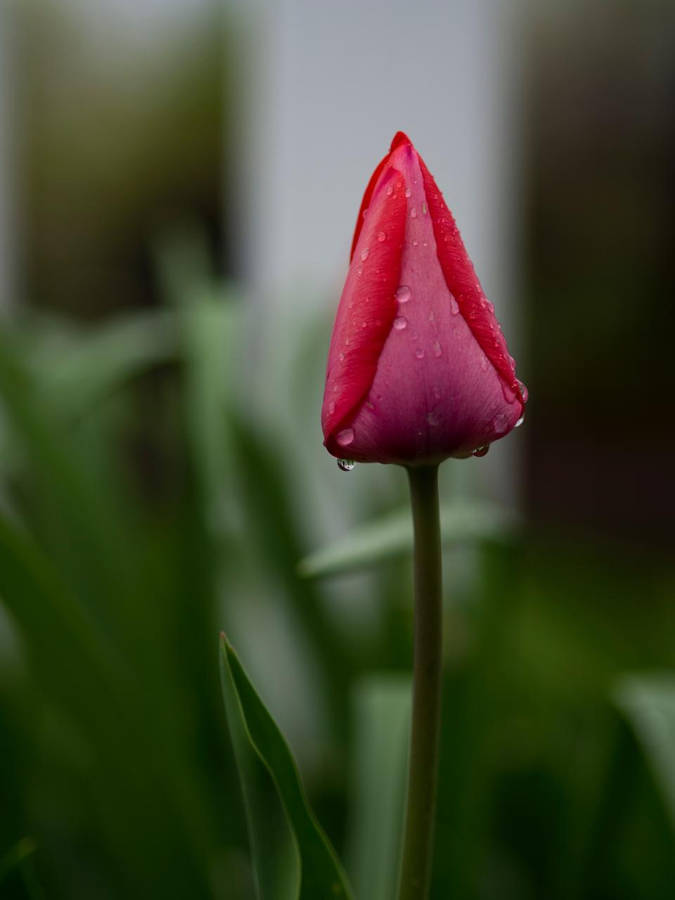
(426,713)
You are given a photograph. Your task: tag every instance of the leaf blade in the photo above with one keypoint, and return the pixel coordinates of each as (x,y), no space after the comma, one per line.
(321,874)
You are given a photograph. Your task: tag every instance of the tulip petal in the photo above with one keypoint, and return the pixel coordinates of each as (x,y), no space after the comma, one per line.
(465,287)
(399,138)
(367,307)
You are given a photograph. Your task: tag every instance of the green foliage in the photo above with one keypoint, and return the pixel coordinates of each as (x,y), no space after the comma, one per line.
(145,504)
(293,858)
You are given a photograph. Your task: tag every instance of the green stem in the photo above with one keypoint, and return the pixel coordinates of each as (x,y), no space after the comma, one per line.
(426,713)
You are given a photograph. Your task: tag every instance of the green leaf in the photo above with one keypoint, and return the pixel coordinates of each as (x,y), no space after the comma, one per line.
(76,369)
(648,702)
(292,856)
(465,520)
(381,732)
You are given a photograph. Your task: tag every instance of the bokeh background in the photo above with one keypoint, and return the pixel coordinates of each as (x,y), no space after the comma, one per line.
(178,184)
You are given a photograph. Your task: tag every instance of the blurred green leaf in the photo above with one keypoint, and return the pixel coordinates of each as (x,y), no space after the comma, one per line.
(15,856)
(79,368)
(292,856)
(648,701)
(463,520)
(381,730)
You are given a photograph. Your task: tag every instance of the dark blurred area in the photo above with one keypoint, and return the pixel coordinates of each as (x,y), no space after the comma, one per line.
(148,500)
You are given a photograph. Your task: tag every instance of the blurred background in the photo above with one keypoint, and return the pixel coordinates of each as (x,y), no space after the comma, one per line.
(178,187)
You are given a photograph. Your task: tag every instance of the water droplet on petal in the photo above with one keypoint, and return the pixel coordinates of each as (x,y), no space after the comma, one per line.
(415,243)
(500,423)
(345,465)
(424,209)
(483,362)
(407,193)
(403,293)
(481,451)
(419,353)
(345,437)
(390,190)
(437,349)
(364,254)
(454,306)
(381,236)
(524,393)
(400,322)
(331,407)
(519,422)
(413,213)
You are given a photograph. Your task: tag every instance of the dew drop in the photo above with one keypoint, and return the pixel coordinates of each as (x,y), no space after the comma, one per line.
(524,393)
(424,209)
(408,193)
(342,357)
(416,243)
(519,422)
(345,465)
(500,423)
(400,322)
(437,349)
(364,254)
(390,190)
(413,213)
(403,293)
(483,362)
(454,306)
(419,353)
(345,437)
(481,451)
(331,407)
(381,236)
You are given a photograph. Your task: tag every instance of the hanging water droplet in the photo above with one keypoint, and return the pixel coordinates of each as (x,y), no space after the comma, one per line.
(364,254)
(524,393)
(419,353)
(500,423)
(345,465)
(437,349)
(481,451)
(403,293)
(381,236)
(400,322)
(519,422)
(454,306)
(345,437)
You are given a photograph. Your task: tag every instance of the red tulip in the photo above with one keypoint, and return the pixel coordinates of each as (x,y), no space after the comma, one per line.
(418,369)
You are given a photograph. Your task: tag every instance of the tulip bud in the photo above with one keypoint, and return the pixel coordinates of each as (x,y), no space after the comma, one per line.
(418,369)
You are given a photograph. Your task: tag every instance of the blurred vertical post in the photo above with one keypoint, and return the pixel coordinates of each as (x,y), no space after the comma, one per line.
(335,83)
(7,168)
